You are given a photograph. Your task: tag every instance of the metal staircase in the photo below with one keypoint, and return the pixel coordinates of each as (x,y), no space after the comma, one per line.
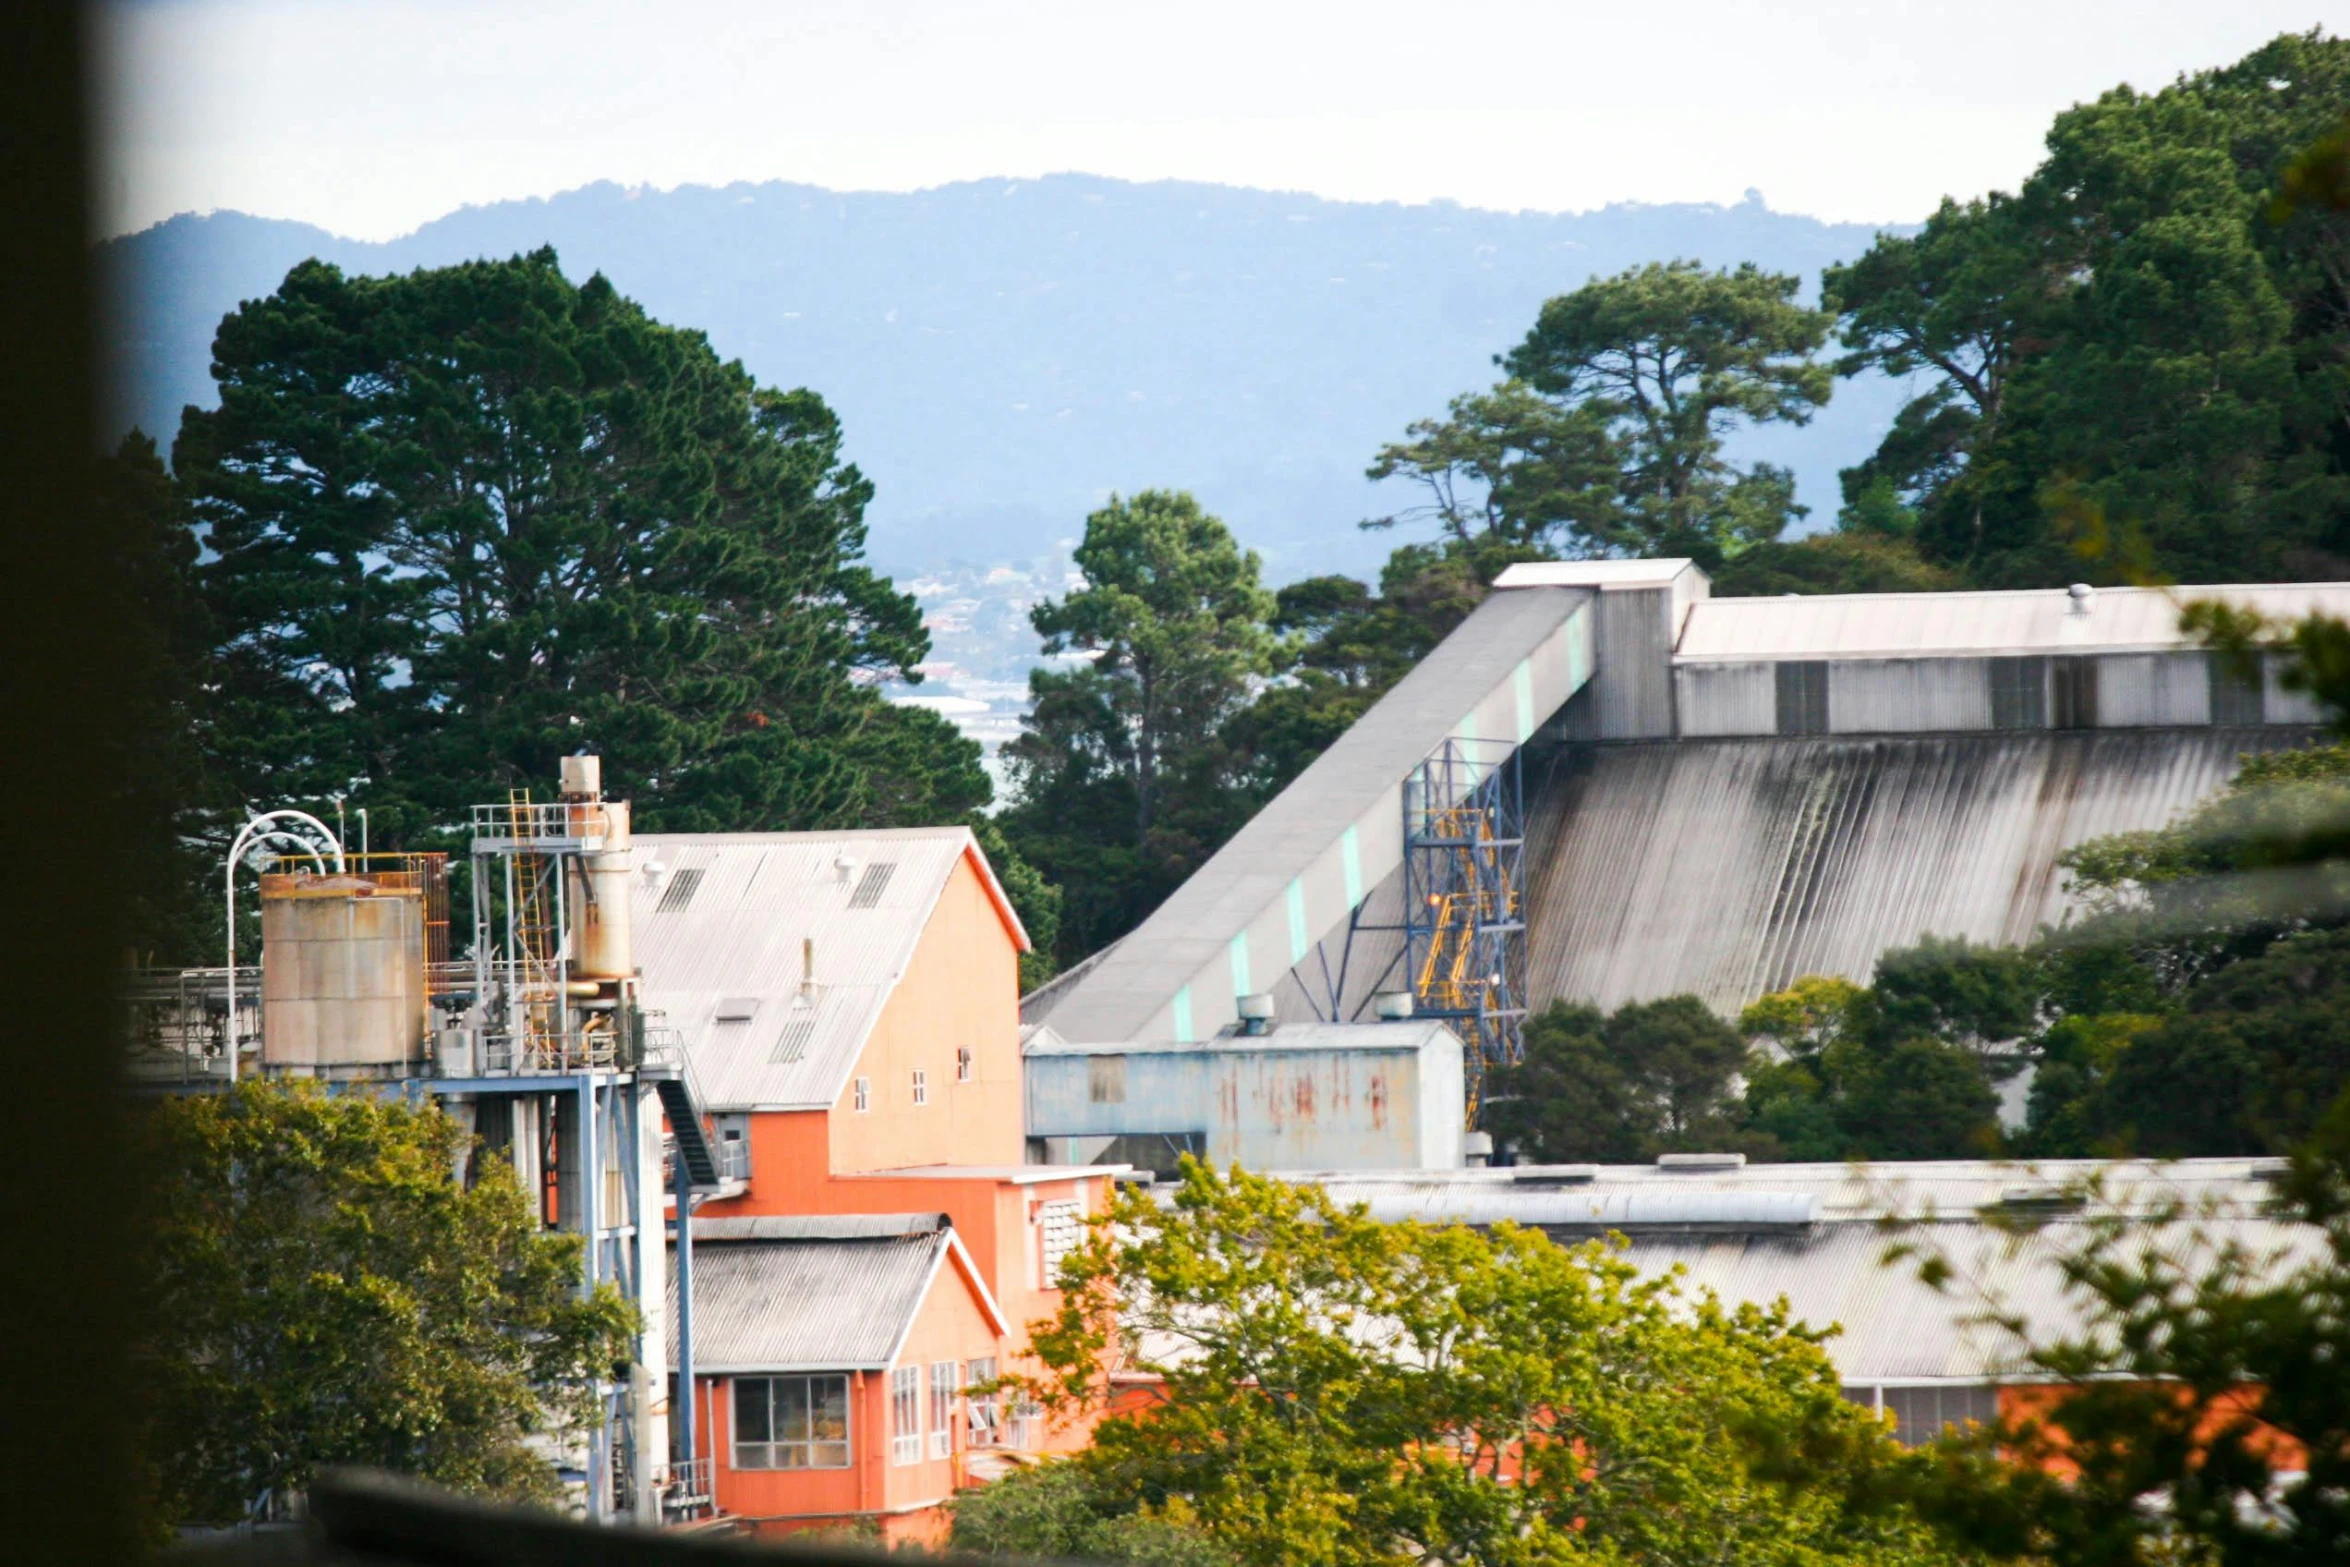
(694,1146)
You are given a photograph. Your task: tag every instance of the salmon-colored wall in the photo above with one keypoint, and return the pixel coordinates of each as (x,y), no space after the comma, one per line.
(2021,1403)
(950,1325)
(961,990)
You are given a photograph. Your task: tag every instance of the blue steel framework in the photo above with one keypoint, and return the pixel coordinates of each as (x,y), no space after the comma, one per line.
(1463,899)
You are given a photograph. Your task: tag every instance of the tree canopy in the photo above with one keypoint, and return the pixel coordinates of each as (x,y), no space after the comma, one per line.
(318,1288)
(1118,770)
(1335,1390)
(466,520)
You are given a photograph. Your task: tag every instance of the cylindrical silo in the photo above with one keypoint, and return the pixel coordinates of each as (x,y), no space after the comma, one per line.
(342,974)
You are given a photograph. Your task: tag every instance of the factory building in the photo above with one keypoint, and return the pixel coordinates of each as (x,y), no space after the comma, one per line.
(1817,1236)
(1357,1096)
(1607,785)
(846,1006)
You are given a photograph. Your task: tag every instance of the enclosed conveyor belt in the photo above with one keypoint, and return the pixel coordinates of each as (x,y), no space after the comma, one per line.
(1284,892)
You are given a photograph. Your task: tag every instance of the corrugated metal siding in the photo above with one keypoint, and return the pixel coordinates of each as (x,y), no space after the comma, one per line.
(2040,620)
(2153,690)
(1633,691)
(804,1305)
(738,936)
(1731,868)
(1727,699)
(1266,1104)
(1908,695)
(2280,706)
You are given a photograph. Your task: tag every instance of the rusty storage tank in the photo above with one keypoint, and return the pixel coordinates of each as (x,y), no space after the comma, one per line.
(342,974)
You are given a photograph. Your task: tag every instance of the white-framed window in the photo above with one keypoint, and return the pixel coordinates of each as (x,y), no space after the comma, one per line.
(1061,1226)
(963,1064)
(905,1415)
(982,1424)
(943,1388)
(864,1094)
(921,1086)
(791,1422)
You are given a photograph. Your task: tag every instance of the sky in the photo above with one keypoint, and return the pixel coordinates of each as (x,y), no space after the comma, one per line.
(370,117)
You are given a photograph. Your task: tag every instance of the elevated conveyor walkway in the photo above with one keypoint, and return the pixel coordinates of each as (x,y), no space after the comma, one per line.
(1275,908)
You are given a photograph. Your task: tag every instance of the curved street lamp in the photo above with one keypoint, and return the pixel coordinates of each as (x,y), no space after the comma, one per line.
(256,830)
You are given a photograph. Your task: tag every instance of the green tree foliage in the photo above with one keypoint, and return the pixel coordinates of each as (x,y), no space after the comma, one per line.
(2205,1406)
(1655,1077)
(1851,561)
(1359,1394)
(1607,437)
(1121,785)
(2135,364)
(137,524)
(1054,1512)
(467,520)
(319,1289)
(1676,356)
(1888,1073)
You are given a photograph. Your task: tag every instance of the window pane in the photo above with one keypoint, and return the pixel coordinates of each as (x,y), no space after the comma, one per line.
(791,1409)
(829,1414)
(750,1409)
(829,1455)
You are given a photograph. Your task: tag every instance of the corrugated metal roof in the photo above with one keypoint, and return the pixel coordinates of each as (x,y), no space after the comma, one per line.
(1920,625)
(727,926)
(1728,869)
(820,1227)
(1832,1270)
(1413,1035)
(807,1305)
(1118,996)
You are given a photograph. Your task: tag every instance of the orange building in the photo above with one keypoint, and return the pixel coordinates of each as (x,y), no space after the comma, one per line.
(847,1007)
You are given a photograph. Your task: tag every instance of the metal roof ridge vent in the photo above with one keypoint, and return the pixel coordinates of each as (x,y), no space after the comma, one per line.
(2043,1197)
(2082,596)
(1553,1174)
(1700,1161)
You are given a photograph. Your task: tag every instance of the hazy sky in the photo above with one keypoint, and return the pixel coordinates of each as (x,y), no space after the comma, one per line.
(372,116)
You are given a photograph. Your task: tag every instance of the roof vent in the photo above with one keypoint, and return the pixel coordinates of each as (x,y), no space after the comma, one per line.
(1476,1149)
(2081,594)
(1701,1161)
(872,884)
(2042,1199)
(1256,1012)
(680,892)
(844,865)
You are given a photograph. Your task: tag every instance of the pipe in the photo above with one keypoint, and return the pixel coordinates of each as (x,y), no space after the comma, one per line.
(246,836)
(685,1307)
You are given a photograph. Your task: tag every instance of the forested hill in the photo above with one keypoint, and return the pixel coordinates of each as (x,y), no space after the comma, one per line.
(1003,352)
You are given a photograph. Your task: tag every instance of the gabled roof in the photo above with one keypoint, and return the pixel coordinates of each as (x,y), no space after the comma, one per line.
(721,939)
(825,1294)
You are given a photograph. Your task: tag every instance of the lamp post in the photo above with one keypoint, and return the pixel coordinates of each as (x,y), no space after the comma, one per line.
(254,831)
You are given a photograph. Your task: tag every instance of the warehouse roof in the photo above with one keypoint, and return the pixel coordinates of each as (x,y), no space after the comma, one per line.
(841,1296)
(1974,625)
(1413,1034)
(1817,1236)
(721,939)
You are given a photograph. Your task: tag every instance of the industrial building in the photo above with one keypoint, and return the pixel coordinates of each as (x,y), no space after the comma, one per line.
(846,1006)
(1817,1235)
(534,1040)
(1607,785)
(1358,1096)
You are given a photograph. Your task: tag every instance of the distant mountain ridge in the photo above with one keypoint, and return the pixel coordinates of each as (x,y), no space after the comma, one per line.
(1004,352)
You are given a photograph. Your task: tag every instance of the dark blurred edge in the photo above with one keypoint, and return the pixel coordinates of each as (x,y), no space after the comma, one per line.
(65,1470)
(359,1519)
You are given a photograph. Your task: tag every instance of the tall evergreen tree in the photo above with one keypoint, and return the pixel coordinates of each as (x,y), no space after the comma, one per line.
(464,521)
(1121,783)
